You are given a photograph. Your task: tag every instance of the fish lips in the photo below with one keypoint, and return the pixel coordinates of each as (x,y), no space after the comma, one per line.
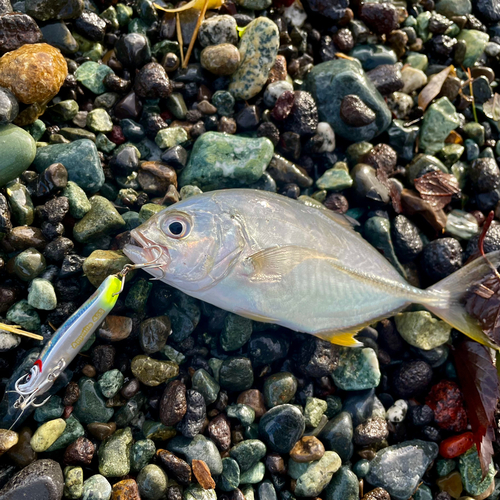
(142,250)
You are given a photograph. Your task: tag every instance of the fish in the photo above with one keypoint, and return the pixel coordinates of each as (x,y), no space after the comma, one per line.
(273,259)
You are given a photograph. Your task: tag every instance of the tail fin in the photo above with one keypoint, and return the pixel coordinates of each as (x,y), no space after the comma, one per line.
(452,288)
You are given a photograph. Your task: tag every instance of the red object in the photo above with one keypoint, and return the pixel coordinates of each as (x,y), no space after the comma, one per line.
(283,3)
(116,135)
(166,115)
(68,410)
(447,402)
(283,106)
(456,445)
(38,363)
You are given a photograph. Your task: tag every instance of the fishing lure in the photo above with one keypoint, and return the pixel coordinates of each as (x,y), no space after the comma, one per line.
(69,339)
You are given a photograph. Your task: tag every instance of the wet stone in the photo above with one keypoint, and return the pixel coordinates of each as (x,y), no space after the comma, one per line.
(354,112)
(125,490)
(80,452)
(206,385)
(152,82)
(173,404)
(254,475)
(102,263)
(307,449)
(49,411)
(96,487)
(115,328)
(114,454)
(220,432)
(247,453)
(91,406)
(176,467)
(153,372)
(141,454)
(196,411)
(281,427)
(47,434)
(17,151)
(357,369)
(42,479)
(258,49)
(152,482)
(236,374)
(279,389)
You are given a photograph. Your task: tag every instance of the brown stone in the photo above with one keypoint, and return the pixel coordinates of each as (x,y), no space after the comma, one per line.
(413,204)
(71,394)
(101,430)
(155,177)
(33,73)
(17,29)
(202,474)
(89,371)
(307,449)
(227,125)
(255,399)
(220,432)
(125,490)
(175,466)
(278,71)
(23,237)
(79,452)
(377,494)
(222,59)
(115,328)
(8,439)
(173,404)
(275,464)
(22,453)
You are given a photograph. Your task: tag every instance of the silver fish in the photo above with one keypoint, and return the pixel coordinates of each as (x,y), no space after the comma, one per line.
(273,259)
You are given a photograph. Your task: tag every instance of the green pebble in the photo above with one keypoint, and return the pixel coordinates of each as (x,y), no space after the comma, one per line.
(361,468)
(36,129)
(252,431)
(51,410)
(199,448)
(148,210)
(236,332)
(215,365)
(114,454)
(141,453)
(439,120)
(461,224)
(451,153)
(244,413)
(317,476)
(249,493)
(138,26)
(247,453)
(230,477)
(47,434)
(334,180)
(206,385)
(98,120)
(356,151)
(91,75)
(157,431)
(279,389)
(423,493)
(174,355)
(253,475)
(91,406)
(104,144)
(20,203)
(334,406)
(159,49)
(79,204)
(258,48)
(76,134)
(445,466)
(176,105)
(475,131)
(343,486)
(152,482)
(138,295)
(337,435)
(22,314)
(422,330)
(450,8)
(153,372)
(63,111)
(123,13)
(417,60)
(196,492)
(314,411)
(220,160)
(42,295)
(102,263)
(132,220)
(110,383)
(17,151)
(102,219)
(81,160)
(224,102)
(475,42)
(236,374)
(96,487)
(371,56)
(73,482)
(471,473)
(74,429)
(29,264)
(357,369)
(111,15)
(170,137)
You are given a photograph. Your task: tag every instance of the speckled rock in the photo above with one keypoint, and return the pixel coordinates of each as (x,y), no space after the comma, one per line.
(220,160)
(33,73)
(258,49)
(47,434)
(114,454)
(96,487)
(153,372)
(422,330)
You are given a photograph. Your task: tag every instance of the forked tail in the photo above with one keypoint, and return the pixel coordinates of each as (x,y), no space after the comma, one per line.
(453,289)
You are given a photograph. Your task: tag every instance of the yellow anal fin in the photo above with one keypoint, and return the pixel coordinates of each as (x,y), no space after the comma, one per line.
(345,339)
(193,4)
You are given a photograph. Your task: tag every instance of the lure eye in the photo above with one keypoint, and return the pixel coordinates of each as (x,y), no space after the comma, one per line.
(177,227)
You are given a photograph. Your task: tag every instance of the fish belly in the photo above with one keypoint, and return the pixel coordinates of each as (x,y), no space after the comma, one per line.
(314,297)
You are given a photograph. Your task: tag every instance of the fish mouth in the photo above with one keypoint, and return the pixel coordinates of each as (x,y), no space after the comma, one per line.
(142,250)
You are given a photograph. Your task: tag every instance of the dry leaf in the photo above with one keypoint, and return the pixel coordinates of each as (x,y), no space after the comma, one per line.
(479,381)
(437,188)
(491,108)
(432,89)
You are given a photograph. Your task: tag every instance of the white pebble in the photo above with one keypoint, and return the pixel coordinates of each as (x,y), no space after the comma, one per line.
(397,412)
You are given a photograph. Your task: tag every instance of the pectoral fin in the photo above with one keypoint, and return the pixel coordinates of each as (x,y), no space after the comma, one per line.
(345,339)
(272,264)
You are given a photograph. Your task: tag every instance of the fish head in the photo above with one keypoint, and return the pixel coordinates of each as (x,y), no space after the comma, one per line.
(195,243)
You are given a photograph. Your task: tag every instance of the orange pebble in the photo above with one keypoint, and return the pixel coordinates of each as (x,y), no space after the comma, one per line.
(456,445)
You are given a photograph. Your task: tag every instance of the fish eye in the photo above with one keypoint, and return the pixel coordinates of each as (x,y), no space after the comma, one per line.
(176,227)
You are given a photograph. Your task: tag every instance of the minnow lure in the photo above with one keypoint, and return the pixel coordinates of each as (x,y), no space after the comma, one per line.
(69,339)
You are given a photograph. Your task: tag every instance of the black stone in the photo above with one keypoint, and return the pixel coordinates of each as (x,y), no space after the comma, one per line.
(129,107)
(103,358)
(132,50)
(303,117)
(265,348)
(54,210)
(406,239)
(316,357)
(248,118)
(52,230)
(152,82)
(194,419)
(412,379)
(91,26)
(176,157)
(441,258)
(387,78)
(236,374)
(71,265)
(57,249)
(421,415)
(269,130)
(281,427)
(52,180)
(125,161)
(354,112)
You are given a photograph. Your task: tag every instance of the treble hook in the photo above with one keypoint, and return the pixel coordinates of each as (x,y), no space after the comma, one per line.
(145,265)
